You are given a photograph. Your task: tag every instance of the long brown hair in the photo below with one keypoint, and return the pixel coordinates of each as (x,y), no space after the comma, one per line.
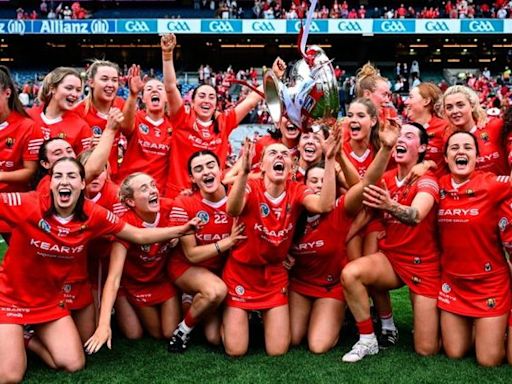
(6,82)
(91,72)
(52,81)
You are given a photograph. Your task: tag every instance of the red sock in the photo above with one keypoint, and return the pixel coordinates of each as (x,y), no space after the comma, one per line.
(365,327)
(385,315)
(190,321)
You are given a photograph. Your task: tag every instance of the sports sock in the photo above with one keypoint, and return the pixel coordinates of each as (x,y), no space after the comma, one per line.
(365,327)
(386,320)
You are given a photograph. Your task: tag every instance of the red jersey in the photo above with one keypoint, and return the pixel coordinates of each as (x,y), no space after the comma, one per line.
(270,222)
(492,157)
(416,244)
(43,251)
(69,127)
(190,136)
(98,121)
(217,225)
(19,142)
(436,130)
(360,162)
(468,224)
(148,149)
(146,263)
(320,253)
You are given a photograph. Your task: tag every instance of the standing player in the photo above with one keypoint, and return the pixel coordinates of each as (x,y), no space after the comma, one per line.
(148,132)
(316,297)
(196,267)
(475,295)
(408,254)
(422,107)
(200,127)
(464,113)
(103,81)
(59,94)
(254,273)
(52,235)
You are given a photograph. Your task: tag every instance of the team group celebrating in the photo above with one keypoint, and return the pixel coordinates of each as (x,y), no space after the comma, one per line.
(309,223)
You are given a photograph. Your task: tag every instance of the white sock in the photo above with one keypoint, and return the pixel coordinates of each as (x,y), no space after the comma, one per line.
(184,328)
(367,337)
(388,323)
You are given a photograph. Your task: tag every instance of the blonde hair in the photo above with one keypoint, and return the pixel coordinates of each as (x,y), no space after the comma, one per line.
(52,81)
(91,72)
(126,189)
(477,112)
(367,78)
(431,91)
(84,156)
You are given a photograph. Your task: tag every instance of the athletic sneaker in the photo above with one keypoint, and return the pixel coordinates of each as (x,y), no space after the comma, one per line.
(361,349)
(178,342)
(388,338)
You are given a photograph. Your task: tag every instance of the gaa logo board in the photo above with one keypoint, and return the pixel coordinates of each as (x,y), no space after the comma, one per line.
(481,26)
(221,26)
(137,26)
(179,26)
(393,26)
(437,26)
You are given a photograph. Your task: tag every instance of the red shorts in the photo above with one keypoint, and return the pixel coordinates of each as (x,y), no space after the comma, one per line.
(510,319)
(334,291)
(178,265)
(255,287)
(11,314)
(78,295)
(423,282)
(476,297)
(147,295)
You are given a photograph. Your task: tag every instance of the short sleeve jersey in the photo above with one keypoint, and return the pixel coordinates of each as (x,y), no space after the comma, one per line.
(148,150)
(146,263)
(361,163)
(69,127)
(19,142)
(97,122)
(320,253)
(188,137)
(43,250)
(468,224)
(217,225)
(415,244)
(269,222)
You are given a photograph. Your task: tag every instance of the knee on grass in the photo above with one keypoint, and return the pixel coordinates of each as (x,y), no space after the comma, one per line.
(11,376)
(72,365)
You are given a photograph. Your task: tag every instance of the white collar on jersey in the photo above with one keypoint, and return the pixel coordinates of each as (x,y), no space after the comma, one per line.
(50,121)
(400,183)
(313,218)
(96,198)
(215,204)
(275,200)
(204,124)
(63,220)
(361,158)
(154,224)
(155,123)
(102,115)
(457,185)
(473,130)
(4,125)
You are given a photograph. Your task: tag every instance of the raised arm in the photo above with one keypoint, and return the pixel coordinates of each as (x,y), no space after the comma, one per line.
(236,197)
(198,253)
(99,156)
(168,43)
(327,198)
(103,331)
(388,135)
(136,85)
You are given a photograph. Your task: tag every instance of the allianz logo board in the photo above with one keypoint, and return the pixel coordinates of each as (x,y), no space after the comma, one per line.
(481,26)
(317,26)
(12,27)
(221,26)
(137,26)
(394,26)
(96,26)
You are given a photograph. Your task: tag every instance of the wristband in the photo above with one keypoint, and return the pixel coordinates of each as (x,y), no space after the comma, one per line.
(217,247)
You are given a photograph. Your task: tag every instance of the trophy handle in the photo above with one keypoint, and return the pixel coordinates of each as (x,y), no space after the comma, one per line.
(271,86)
